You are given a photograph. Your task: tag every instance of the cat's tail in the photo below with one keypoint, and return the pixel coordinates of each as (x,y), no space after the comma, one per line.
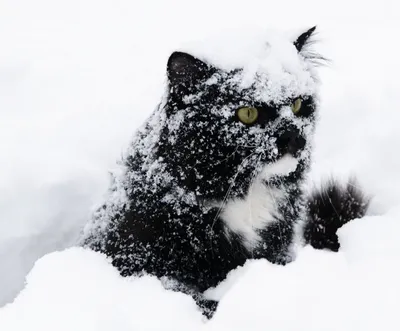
(330,207)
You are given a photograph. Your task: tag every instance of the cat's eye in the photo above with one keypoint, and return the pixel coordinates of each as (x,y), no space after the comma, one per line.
(296,106)
(247,115)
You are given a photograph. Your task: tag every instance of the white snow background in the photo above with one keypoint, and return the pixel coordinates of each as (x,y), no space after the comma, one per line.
(78,77)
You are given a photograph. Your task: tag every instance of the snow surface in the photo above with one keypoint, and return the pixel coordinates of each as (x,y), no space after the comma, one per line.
(267,56)
(78,77)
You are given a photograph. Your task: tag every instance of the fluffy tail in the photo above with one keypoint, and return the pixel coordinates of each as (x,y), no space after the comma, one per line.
(329,208)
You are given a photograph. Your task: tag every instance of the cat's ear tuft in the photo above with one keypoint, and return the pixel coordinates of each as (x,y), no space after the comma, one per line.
(304,39)
(185,70)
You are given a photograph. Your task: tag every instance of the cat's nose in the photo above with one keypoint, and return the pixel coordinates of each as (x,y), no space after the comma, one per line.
(291,141)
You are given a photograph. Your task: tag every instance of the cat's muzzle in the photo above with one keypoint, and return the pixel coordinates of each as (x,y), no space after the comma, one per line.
(291,141)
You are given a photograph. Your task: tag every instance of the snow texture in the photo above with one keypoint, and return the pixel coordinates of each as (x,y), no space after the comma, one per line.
(78,77)
(265,56)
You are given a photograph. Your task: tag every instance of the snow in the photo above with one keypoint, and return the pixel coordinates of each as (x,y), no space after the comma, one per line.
(266,53)
(78,289)
(78,77)
(83,285)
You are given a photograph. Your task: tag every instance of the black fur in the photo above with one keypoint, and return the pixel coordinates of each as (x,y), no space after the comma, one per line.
(164,213)
(329,208)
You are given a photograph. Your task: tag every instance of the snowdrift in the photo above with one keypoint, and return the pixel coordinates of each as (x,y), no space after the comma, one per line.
(356,289)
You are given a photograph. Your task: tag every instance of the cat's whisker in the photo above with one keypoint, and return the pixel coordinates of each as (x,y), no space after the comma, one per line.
(235,151)
(230,189)
(284,196)
(229,156)
(276,206)
(350,183)
(231,185)
(248,146)
(253,177)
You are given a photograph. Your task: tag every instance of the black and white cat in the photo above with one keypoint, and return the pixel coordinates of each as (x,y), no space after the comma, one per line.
(216,174)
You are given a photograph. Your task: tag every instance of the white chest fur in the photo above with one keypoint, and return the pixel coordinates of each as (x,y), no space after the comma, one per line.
(260,207)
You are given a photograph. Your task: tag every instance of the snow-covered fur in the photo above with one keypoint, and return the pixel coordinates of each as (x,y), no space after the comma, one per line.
(201,190)
(330,207)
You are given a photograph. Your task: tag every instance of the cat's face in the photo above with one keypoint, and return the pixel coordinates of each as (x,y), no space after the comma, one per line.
(221,134)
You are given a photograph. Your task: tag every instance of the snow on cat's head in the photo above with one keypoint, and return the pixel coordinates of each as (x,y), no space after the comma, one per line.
(282,65)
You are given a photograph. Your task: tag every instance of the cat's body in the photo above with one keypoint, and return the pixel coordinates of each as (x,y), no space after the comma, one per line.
(215,175)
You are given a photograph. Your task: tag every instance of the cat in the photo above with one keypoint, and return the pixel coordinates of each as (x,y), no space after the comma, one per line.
(216,175)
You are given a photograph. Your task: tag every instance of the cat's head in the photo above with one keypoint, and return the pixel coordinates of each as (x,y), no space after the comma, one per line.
(225,127)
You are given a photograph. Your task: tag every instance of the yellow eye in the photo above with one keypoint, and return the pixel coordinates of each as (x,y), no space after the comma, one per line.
(247,115)
(296,106)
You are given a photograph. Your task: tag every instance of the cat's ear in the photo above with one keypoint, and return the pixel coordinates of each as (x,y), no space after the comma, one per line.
(304,39)
(184,70)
